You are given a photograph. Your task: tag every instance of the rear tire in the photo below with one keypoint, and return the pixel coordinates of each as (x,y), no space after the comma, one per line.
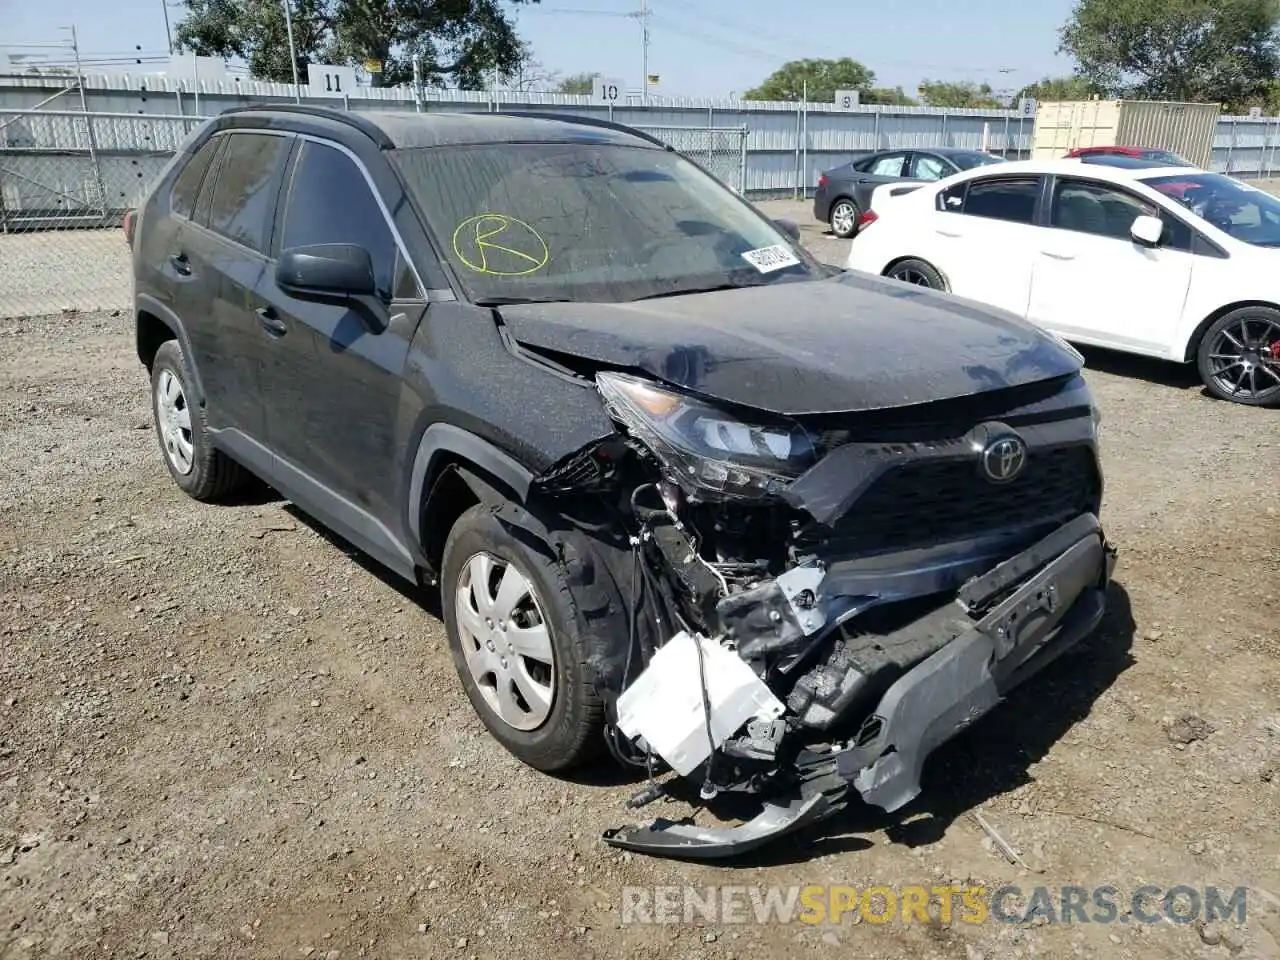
(844,218)
(1239,357)
(554,718)
(201,471)
(918,273)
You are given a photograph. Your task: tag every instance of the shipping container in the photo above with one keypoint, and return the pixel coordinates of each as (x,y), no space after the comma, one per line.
(1186,129)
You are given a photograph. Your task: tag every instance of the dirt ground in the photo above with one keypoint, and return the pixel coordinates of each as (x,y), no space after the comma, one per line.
(223,734)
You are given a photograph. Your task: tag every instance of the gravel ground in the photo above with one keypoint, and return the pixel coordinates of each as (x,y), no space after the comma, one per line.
(224,734)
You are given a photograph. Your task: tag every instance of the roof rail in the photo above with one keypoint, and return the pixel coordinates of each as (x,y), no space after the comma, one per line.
(351,118)
(585,121)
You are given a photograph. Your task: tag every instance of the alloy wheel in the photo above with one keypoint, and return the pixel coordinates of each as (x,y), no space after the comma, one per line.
(843,218)
(174,419)
(506,641)
(1244,359)
(910,275)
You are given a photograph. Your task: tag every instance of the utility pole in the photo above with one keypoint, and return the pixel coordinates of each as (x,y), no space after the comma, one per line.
(88,120)
(644,27)
(164,5)
(293,56)
(642,15)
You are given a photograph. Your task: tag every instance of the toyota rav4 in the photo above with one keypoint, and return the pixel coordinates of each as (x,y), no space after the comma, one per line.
(689,495)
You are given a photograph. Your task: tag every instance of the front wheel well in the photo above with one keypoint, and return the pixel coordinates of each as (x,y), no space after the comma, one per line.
(151,334)
(457,486)
(1193,343)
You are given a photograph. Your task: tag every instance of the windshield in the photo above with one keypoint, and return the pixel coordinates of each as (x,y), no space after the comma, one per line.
(967,161)
(1164,156)
(591,222)
(1235,208)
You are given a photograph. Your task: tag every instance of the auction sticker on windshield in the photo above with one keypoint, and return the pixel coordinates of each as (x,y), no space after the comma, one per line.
(768,259)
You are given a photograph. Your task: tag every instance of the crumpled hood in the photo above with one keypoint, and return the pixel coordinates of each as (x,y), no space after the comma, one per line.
(853,342)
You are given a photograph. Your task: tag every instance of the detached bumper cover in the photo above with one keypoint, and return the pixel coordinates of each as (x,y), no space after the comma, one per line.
(1008,624)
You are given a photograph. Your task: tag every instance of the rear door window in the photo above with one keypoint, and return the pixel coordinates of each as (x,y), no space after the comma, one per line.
(244,198)
(1005,198)
(894,165)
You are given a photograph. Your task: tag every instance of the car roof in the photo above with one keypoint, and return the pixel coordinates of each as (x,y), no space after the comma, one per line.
(402,129)
(1075,167)
(948,151)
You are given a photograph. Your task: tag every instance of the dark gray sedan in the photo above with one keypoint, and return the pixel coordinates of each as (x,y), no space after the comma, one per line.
(844,192)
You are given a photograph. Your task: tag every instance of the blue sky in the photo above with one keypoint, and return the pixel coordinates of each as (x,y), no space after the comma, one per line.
(698,48)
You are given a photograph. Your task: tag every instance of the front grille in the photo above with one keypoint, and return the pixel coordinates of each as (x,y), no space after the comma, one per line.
(929,502)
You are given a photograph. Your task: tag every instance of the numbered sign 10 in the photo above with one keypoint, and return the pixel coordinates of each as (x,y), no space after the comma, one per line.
(324,80)
(609,90)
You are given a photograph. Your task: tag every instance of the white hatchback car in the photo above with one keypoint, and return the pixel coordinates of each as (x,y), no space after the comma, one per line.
(1170,262)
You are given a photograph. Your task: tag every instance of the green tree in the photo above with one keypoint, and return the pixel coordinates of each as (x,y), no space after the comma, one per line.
(940,93)
(455,40)
(819,79)
(1059,88)
(889,96)
(579,83)
(1190,50)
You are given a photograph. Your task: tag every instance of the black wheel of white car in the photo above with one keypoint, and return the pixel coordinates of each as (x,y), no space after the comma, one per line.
(516,644)
(917,272)
(1239,357)
(202,472)
(844,218)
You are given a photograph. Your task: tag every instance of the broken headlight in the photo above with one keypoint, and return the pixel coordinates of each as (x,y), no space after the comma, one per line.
(709,452)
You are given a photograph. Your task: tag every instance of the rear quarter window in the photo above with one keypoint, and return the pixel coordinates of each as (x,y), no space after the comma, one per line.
(187,186)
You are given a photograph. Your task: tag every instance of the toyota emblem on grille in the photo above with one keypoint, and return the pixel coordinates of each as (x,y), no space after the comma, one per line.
(1004,458)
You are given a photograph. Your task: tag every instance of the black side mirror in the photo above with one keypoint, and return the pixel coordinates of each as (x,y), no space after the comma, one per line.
(326,271)
(790,228)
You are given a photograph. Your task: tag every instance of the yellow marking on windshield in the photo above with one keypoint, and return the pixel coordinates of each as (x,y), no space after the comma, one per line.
(500,246)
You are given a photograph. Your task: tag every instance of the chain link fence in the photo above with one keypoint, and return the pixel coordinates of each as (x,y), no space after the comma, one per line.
(721,151)
(67,178)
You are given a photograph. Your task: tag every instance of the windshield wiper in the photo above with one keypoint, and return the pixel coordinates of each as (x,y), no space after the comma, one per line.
(507,301)
(759,280)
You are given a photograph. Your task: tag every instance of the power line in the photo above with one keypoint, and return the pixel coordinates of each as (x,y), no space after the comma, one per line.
(729,45)
(771,31)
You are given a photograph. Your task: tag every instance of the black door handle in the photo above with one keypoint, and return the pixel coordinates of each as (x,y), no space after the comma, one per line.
(271,321)
(181,264)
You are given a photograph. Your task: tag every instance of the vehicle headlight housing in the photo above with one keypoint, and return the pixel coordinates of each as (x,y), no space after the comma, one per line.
(711,454)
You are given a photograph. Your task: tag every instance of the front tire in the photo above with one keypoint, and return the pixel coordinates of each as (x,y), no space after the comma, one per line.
(917,272)
(516,644)
(202,472)
(844,218)
(1239,357)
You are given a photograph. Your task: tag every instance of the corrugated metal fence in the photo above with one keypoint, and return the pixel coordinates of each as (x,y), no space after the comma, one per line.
(786,144)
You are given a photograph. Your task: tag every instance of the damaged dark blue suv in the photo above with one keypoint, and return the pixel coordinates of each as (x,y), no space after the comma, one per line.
(689,496)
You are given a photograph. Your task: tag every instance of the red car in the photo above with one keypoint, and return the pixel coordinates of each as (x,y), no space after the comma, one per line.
(1141,153)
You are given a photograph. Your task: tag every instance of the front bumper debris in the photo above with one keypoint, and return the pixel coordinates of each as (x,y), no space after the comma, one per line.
(1003,626)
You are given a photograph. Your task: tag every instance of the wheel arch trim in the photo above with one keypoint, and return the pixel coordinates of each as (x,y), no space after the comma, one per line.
(1192,345)
(897,260)
(145,303)
(442,443)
